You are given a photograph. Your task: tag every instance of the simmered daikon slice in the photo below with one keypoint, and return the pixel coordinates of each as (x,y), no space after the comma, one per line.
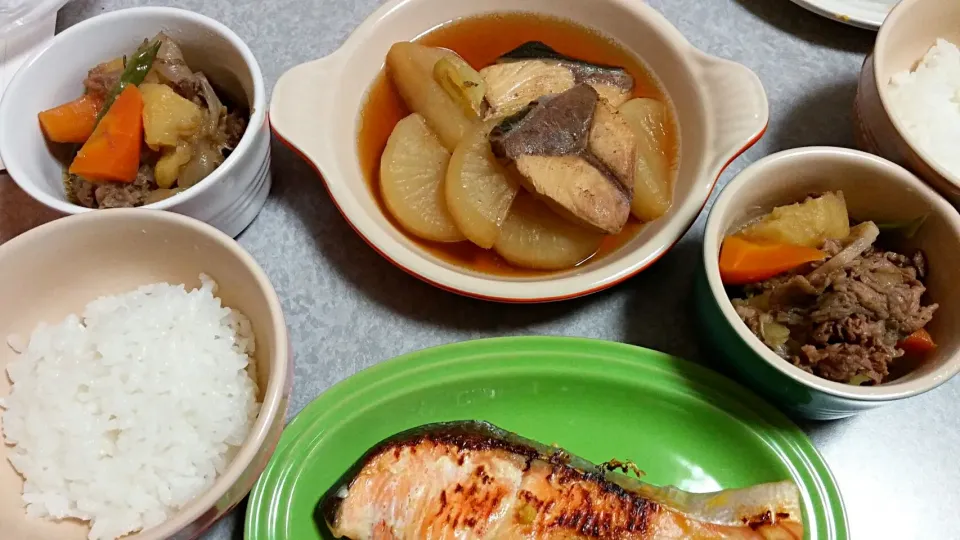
(412,171)
(652,189)
(535,237)
(411,66)
(479,190)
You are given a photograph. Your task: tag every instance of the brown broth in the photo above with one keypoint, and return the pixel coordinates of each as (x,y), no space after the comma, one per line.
(480,41)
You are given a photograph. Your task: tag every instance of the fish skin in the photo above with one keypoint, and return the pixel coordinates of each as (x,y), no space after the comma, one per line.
(583,71)
(471,480)
(534,70)
(553,126)
(574,152)
(513,86)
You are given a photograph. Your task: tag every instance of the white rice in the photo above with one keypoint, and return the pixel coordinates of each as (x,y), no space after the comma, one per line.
(122,416)
(926,101)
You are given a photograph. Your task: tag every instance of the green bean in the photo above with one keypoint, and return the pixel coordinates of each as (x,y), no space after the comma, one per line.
(134,72)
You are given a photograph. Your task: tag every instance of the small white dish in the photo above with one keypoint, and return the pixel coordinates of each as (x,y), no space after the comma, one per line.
(868,14)
(230,198)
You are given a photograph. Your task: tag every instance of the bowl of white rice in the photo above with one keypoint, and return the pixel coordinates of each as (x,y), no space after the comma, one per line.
(145,378)
(908,100)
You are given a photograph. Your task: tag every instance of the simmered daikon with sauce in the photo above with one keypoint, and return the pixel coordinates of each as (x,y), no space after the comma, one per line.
(533,147)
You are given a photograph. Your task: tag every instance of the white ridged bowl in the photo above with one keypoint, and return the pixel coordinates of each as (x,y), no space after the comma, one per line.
(230,198)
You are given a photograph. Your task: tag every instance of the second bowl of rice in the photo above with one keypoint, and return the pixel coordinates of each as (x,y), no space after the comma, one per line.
(908,100)
(146,377)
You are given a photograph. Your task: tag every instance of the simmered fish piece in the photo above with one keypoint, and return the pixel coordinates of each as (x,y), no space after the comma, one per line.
(534,70)
(574,152)
(514,85)
(472,480)
(613,143)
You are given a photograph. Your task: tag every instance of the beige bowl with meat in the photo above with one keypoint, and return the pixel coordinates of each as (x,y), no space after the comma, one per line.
(205,149)
(884,273)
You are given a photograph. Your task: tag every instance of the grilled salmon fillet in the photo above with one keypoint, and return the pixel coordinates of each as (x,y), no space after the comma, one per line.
(472,480)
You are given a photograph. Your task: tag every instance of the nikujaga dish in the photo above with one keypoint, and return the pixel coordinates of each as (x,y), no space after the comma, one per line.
(540,156)
(825,294)
(146,128)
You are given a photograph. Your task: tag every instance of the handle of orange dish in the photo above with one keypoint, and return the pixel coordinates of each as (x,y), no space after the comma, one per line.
(737,105)
(303,98)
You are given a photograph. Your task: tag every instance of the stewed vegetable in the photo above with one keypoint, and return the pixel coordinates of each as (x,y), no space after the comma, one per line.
(529,157)
(148,128)
(831,295)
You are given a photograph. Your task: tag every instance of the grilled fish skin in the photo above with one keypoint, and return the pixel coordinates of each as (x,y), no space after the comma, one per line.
(472,480)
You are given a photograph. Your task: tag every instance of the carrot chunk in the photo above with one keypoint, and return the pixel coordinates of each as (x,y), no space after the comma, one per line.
(918,343)
(72,122)
(743,261)
(112,153)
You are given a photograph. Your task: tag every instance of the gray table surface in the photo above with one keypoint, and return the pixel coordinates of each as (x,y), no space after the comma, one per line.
(348,309)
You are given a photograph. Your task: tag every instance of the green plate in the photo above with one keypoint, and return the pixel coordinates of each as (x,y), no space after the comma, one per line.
(681,423)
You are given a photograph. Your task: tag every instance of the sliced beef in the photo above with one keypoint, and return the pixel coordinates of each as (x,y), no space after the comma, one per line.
(793,292)
(123,195)
(80,191)
(847,314)
(100,80)
(919,261)
(887,287)
(861,238)
(752,316)
(856,330)
(235,124)
(835,306)
(189,89)
(844,362)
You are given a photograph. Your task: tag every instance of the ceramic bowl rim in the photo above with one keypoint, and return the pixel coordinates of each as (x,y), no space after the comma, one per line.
(899,12)
(258,110)
(275,395)
(713,232)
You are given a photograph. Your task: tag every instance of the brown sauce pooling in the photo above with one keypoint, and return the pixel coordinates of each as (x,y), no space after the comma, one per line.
(480,41)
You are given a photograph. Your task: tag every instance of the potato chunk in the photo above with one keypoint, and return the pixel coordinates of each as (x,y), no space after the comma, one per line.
(412,171)
(535,237)
(170,164)
(167,117)
(809,223)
